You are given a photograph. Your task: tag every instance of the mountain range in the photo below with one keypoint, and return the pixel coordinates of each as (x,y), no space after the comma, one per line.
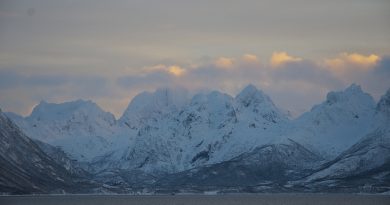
(169,141)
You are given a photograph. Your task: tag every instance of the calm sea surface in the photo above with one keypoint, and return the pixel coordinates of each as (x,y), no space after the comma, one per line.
(242,199)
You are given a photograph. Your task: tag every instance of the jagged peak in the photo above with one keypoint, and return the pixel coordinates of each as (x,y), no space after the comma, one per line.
(354,88)
(384,103)
(162,99)
(1,113)
(161,96)
(201,98)
(176,96)
(250,88)
(386,96)
(353,93)
(250,94)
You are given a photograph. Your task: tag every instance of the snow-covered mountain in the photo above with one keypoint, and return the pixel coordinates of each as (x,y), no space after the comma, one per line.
(383,106)
(371,152)
(80,128)
(148,106)
(210,128)
(336,124)
(167,138)
(365,166)
(262,168)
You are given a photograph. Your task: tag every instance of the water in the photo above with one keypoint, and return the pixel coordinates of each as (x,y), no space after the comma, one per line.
(242,199)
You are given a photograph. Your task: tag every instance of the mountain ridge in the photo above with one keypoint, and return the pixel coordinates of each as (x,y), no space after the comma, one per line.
(166,132)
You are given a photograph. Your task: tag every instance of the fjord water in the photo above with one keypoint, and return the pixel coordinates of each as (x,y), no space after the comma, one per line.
(231,199)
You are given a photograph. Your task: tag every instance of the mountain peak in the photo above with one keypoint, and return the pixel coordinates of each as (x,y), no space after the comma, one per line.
(174,96)
(251,95)
(351,95)
(354,88)
(250,88)
(147,104)
(52,111)
(75,103)
(384,103)
(257,105)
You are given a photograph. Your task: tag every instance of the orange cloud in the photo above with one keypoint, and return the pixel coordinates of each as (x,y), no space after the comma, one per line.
(346,61)
(280,58)
(224,62)
(173,69)
(250,58)
(159,67)
(176,70)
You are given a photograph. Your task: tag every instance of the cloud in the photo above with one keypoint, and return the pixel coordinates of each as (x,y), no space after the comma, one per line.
(358,59)
(10,79)
(20,91)
(292,72)
(305,71)
(383,67)
(351,60)
(360,69)
(224,62)
(295,84)
(280,58)
(250,58)
(375,80)
(174,70)
(155,79)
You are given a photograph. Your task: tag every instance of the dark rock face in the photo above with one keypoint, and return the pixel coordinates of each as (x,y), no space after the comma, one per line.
(384,104)
(25,168)
(61,158)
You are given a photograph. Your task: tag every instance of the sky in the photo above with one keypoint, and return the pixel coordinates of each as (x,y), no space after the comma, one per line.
(108,51)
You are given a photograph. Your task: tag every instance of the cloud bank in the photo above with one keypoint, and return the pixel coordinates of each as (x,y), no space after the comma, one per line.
(294,83)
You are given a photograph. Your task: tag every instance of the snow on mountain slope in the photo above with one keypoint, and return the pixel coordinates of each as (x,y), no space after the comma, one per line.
(166,132)
(148,106)
(253,104)
(365,166)
(238,137)
(370,153)
(336,124)
(80,128)
(212,128)
(162,144)
(265,166)
(257,121)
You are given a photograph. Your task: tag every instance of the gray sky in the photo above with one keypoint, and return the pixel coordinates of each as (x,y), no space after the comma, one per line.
(108,51)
